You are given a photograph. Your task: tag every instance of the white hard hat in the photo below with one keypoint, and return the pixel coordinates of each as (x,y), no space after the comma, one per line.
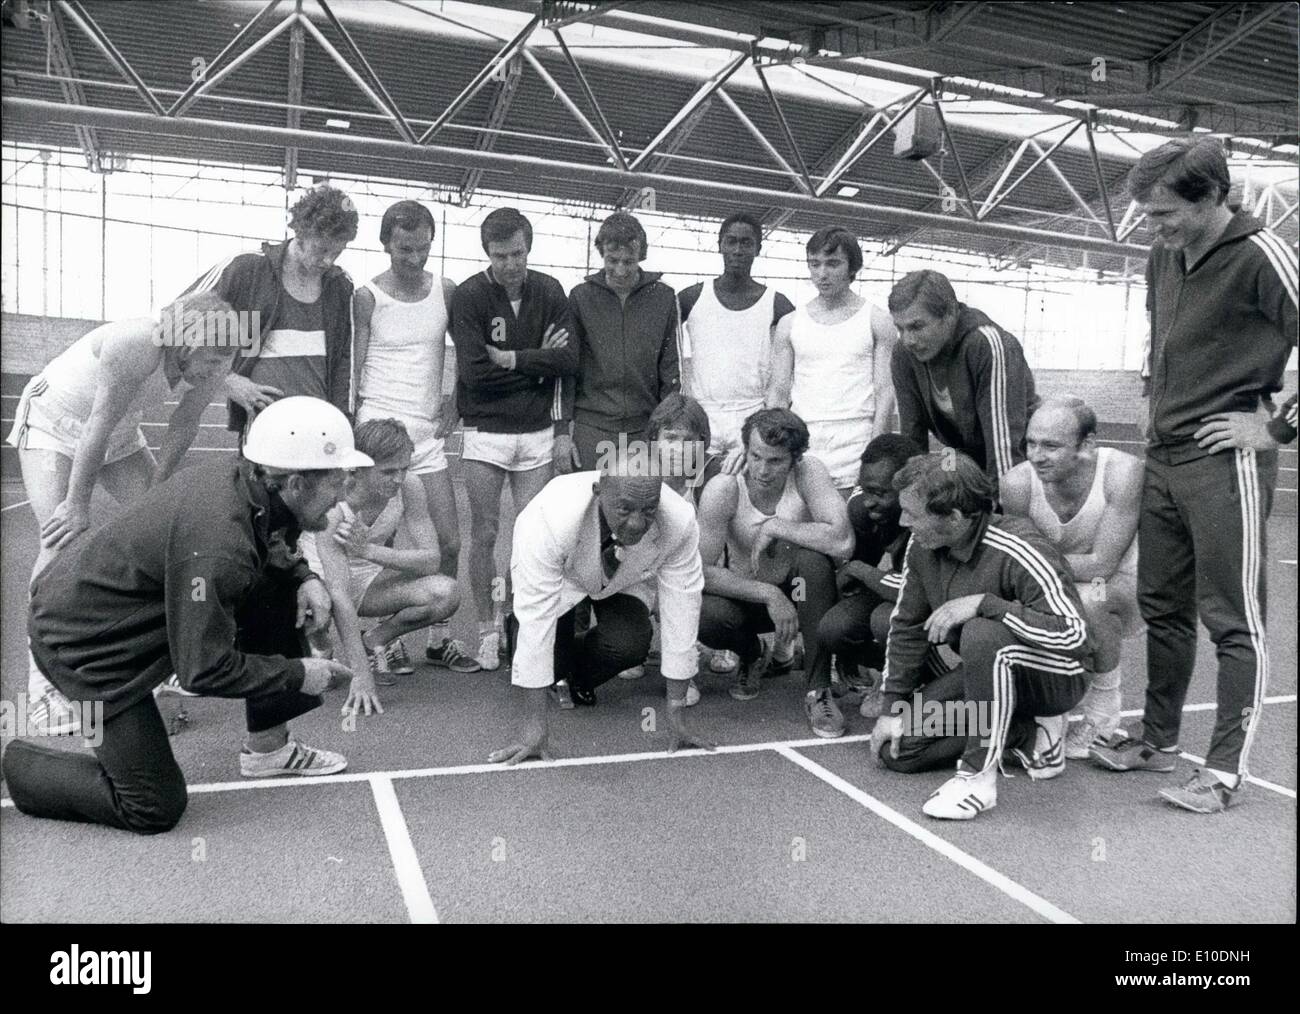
(301,433)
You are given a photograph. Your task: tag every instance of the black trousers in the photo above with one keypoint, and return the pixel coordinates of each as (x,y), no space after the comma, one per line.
(857,628)
(735,625)
(132,780)
(619,640)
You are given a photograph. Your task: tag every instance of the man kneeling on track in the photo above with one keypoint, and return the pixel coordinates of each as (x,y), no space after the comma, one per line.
(614,539)
(997,591)
(367,577)
(160,588)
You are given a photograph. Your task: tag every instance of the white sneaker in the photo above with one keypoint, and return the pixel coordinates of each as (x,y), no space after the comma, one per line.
(173,686)
(52,714)
(724,661)
(398,660)
(964,796)
(635,673)
(379,669)
(489,651)
(293,758)
(692,694)
(1048,758)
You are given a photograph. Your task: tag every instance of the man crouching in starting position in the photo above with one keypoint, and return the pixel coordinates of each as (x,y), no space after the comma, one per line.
(610,538)
(1002,596)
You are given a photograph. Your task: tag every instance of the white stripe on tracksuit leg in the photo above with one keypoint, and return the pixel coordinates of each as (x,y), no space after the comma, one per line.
(1248,483)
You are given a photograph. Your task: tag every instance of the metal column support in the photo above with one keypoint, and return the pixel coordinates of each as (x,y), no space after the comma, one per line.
(951,144)
(34,111)
(480,79)
(763,142)
(1043,157)
(1069,187)
(1102,189)
(78,16)
(1006,172)
(65,66)
(610,138)
(293,118)
(702,94)
(217,62)
(1287,212)
(1129,223)
(486,139)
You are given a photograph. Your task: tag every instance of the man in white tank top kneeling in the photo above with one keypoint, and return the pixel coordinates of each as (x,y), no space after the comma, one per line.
(831,360)
(1085,499)
(769,541)
(400,319)
(378,557)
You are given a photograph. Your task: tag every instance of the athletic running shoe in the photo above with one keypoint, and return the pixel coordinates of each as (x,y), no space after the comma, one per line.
(1123,753)
(964,796)
(399,661)
(782,661)
(745,688)
(873,704)
(173,686)
(560,688)
(452,655)
(723,661)
(293,758)
(692,694)
(823,714)
(1202,793)
(848,674)
(52,714)
(489,651)
(1047,757)
(378,659)
(635,673)
(1084,735)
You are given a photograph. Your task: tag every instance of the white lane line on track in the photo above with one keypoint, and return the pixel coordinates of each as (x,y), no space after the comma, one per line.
(945,848)
(20,503)
(406,864)
(1291,562)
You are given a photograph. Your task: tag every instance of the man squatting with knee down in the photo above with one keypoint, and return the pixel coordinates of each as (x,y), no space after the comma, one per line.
(165,585)
(1084,499)
(367,577)
(618,540)
(997,591)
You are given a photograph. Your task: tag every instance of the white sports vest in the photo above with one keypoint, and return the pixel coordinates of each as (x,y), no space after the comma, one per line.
(833,368)
(403,369)
(730,351)
(1078,536)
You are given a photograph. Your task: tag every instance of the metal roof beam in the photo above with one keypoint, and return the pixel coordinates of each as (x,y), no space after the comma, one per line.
(210,75)
(363,74)
(38,113)
(991,204)
(607,132)
(667,150)
(704,92)
(293,115)
(61,56)
(79,17)
(763,142)
(1194,49)
(486,139)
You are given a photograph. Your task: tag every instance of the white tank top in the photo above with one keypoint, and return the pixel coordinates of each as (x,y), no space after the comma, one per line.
(744,526)
(402,373)
(1078,536)
(833,367)
(72,376)
(731,351)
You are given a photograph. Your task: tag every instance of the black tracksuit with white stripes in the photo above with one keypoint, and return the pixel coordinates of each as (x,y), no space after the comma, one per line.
(1221,333)
(1024,653)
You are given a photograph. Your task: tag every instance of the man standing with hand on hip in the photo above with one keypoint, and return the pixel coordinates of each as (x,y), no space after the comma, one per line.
(1221,292)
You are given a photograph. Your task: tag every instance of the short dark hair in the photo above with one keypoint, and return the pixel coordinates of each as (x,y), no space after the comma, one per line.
(680,412)
(1191,167)
(778,427)
(892,447)
(932,288)
(1084,417)
(836,237)
(503,223)
(382,439)
(621,229)
(325,211)
(742,218)
(408,216)
(948,481)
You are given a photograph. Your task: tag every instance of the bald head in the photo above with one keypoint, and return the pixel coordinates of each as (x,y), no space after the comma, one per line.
(1060,439)
(629,504)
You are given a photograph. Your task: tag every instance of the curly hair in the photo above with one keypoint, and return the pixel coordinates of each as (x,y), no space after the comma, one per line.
(778,427)
(326,212)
